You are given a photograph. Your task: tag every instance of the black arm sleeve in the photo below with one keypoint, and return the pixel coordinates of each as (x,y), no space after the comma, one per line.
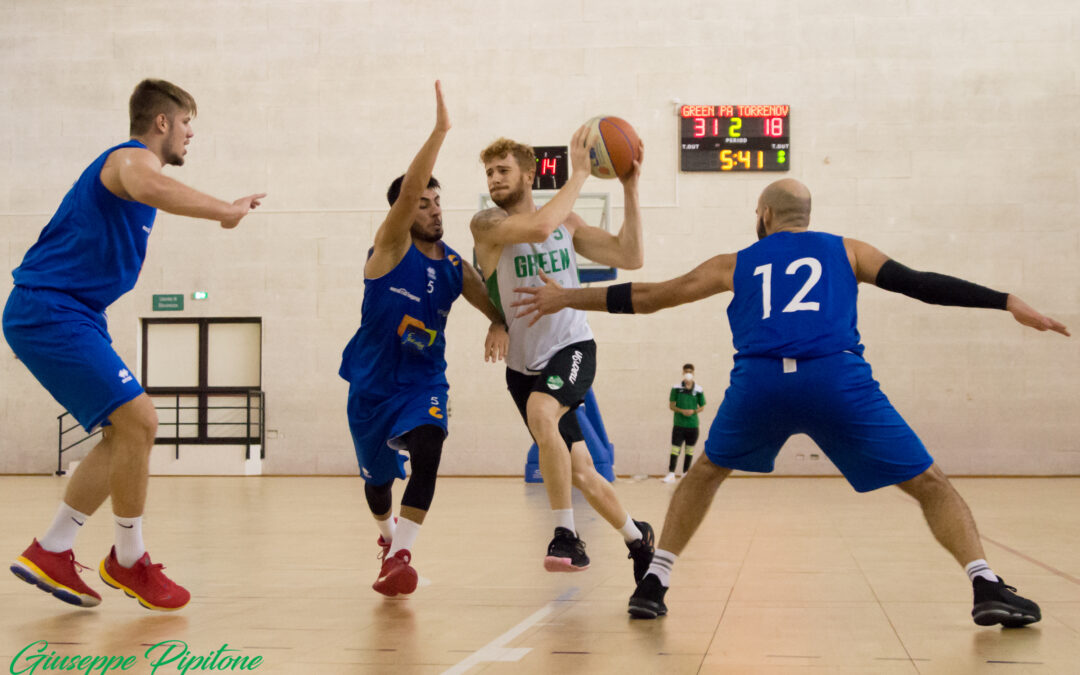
(937,289)
(620,299)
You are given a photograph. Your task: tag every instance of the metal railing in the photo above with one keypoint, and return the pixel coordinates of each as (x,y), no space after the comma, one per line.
(254,423)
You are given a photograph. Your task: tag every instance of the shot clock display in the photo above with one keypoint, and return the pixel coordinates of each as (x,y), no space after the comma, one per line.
(734,138)
(552,165)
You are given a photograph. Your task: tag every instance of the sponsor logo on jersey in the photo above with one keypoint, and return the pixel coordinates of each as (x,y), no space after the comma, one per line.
(402,291)
(125,376)
(435,412)
(554,382)
(415,334)
(453,260)
(431,273)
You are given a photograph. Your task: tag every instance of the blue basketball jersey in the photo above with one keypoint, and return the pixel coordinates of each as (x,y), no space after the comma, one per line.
(402,340)
(94,246)
(795,297)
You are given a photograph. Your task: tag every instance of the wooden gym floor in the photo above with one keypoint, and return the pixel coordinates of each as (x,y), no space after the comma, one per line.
(786,575)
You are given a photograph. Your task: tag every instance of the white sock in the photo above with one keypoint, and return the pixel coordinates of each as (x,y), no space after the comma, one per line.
(629,530)
(386,528)
(404,536)
(662,562)
(129,541)
(64,528)
(979,568)
(564,518)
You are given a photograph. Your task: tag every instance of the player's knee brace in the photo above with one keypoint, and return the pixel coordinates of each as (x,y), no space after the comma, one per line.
(379,497)
(424,445)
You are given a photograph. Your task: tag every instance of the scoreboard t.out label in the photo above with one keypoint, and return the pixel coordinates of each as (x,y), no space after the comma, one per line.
(730,138)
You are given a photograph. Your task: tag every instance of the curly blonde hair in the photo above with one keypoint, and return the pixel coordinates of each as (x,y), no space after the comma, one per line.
(524,154)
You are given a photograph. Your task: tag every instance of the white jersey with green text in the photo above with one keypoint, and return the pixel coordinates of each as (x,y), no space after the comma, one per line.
(531,347)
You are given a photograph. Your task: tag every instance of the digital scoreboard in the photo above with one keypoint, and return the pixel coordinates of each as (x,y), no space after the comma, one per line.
(730,138)
(552,166)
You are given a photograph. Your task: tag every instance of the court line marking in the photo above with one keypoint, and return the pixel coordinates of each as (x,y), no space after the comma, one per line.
(1033,561)
(496,650)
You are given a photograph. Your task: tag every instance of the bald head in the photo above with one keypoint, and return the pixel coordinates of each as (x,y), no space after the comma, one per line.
(783,205)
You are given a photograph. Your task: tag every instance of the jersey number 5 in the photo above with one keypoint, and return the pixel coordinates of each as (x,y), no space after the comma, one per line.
(796,304)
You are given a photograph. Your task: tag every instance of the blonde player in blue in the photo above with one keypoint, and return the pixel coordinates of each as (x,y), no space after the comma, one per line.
(88,256)
(396,365)
(799,369)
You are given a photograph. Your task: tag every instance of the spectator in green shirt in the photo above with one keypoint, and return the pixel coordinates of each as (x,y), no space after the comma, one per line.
(687,400)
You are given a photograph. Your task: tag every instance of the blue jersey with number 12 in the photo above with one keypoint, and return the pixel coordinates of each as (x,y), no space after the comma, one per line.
(795,297)
(402,338)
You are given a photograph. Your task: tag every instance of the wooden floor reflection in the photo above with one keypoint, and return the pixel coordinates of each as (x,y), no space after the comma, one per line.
(787,575)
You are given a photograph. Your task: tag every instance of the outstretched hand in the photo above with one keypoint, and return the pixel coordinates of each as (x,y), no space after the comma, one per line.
(1027,315)
(242,207)
(541,300)
(442,117)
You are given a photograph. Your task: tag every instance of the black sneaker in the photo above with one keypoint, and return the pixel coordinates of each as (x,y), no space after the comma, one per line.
(647,602)
(641,550)
(566,553)
(996,602)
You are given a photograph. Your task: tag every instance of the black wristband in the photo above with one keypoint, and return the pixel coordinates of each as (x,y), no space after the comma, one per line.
(619,299)
(937,289)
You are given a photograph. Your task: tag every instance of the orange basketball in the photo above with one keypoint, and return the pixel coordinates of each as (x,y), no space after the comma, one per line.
(613,146)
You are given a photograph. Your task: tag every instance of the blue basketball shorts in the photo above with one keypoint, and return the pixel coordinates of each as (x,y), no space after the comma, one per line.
(66,346)
(832,399)
(377,426)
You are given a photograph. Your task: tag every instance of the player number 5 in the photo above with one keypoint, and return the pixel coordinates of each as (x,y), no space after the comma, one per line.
(796,304)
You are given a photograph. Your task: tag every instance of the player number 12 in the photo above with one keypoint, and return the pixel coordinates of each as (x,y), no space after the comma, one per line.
(796,304)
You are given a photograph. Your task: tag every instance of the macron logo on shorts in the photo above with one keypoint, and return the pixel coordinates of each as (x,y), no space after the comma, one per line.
(576,358)
(125,376)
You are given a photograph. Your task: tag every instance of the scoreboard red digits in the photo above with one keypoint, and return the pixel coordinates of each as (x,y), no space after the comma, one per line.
(734,138)
(552,162)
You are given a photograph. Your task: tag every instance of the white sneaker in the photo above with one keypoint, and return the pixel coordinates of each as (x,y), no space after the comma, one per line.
(670,478)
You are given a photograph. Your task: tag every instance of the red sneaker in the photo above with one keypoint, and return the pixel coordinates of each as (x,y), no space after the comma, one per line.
(145,582)
(396,576)
(55,573)
(385,546)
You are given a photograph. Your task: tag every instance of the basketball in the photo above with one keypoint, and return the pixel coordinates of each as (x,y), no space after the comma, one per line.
(613,147)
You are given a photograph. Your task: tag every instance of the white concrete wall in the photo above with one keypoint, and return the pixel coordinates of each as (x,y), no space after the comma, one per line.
(944,133)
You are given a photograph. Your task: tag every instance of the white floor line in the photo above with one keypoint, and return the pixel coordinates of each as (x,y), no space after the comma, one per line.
(496,651)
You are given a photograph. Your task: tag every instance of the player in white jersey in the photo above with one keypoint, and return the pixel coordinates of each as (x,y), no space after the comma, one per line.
(552,361)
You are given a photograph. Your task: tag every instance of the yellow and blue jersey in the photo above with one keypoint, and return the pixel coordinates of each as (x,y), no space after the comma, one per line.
(402,337)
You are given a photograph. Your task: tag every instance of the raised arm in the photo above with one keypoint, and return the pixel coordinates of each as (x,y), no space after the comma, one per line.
(494,227)
(709,278)
(874,267)
(393,238)
(135,174)
(497,342)
(624,250)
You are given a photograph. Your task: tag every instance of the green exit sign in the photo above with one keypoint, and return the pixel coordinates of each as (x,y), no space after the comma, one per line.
(173,302)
